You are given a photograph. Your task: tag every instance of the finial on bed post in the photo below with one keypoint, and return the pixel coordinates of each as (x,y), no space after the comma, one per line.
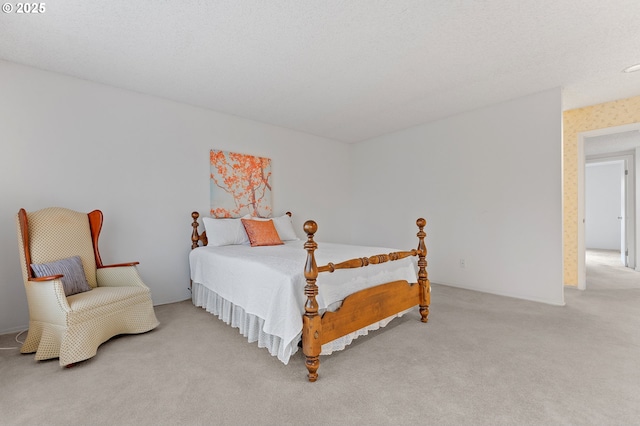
(423,277)
(195,238)
(311,327)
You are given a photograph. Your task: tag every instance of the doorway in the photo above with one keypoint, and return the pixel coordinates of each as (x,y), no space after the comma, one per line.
(606,206)
(615,144)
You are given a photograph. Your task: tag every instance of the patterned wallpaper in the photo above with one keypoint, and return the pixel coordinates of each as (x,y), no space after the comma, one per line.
(575,121)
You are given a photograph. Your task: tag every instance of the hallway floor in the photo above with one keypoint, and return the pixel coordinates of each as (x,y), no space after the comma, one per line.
(605,270)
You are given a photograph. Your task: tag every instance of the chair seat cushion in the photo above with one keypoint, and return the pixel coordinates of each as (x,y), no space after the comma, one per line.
(111,298)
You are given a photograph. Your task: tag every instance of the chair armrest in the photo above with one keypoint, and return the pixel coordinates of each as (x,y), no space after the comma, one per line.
(117,265)
(47,278)
(47,301)
(119,276)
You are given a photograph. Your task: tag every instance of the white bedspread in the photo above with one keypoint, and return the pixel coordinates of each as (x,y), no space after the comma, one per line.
(268,282)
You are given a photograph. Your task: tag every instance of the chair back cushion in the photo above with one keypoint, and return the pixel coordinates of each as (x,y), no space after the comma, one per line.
(56,233)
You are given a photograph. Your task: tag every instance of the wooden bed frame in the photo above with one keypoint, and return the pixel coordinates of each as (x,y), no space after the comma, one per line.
(359,309)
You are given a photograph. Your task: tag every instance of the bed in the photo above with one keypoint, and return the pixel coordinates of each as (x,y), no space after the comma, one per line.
(278,296)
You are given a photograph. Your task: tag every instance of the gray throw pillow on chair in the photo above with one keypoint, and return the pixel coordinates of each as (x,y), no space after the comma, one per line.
(74,281)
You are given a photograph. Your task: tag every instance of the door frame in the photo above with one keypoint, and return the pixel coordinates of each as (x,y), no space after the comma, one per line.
(582,267)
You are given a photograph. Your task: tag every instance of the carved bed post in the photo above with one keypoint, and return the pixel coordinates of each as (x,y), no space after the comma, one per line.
(311,321)
(195,238)
(423,277)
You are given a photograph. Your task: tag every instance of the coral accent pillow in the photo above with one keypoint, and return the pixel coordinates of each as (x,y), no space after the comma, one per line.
(283,225)
(261,232)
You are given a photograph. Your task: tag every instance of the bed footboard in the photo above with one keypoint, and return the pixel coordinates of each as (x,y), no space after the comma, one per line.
(364,307)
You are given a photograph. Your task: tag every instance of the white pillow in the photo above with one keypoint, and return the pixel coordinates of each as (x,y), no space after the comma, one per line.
(283,224)
(224,232)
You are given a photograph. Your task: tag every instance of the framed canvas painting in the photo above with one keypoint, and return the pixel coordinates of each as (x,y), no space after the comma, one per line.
(240,184)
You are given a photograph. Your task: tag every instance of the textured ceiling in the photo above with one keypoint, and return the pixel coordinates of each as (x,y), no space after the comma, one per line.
(347,70)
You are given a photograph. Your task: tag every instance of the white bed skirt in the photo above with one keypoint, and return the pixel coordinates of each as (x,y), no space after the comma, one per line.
(251,326)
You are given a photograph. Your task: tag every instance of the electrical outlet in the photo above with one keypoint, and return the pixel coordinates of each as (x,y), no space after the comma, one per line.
(461,263)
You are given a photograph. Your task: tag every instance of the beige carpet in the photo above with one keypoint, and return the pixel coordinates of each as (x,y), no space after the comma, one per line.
(606,271)
(481,360)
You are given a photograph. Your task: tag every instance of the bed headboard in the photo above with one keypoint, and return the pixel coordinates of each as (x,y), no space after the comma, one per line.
(198,239)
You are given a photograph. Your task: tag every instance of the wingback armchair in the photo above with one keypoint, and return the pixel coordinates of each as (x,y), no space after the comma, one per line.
(72,326)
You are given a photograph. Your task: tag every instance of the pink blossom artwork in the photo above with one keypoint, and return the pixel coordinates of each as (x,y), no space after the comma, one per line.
(240,184)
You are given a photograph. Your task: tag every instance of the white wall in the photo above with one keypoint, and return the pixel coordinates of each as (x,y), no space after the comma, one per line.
(144,162)
(489,184)
(603,205)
